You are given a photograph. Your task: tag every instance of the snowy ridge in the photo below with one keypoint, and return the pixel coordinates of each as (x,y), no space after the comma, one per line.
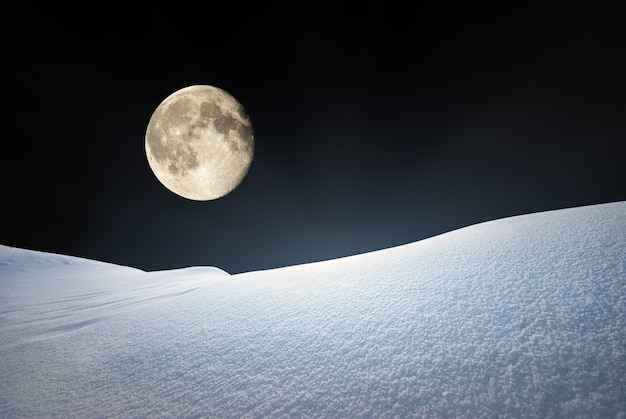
(45,295)
(519,316)
(33,259)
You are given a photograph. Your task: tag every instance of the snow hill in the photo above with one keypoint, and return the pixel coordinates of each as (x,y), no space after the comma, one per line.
(523,316)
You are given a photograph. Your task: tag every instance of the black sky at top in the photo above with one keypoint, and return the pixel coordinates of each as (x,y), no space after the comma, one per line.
(375,125)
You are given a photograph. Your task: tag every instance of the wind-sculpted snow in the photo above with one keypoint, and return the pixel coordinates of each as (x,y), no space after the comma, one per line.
(522,316)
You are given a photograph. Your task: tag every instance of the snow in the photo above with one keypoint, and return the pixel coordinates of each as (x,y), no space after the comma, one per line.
(523,316)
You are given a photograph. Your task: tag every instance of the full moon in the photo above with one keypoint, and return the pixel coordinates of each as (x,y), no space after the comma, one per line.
(200,143)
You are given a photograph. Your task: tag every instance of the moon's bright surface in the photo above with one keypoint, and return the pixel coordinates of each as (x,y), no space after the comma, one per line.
(200,142)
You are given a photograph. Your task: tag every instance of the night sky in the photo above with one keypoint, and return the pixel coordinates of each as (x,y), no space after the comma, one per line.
(375,126)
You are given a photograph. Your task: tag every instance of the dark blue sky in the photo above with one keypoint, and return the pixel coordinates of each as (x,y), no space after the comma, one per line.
(375,126)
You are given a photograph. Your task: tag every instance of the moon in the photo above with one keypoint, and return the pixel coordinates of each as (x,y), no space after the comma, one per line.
(200,143)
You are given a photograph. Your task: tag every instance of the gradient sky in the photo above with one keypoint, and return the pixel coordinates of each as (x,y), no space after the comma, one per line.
(375,126)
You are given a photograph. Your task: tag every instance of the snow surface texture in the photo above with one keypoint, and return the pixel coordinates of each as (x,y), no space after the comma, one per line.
(524,316)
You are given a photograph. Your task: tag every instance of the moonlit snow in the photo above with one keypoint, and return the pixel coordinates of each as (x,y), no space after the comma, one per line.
(523,316)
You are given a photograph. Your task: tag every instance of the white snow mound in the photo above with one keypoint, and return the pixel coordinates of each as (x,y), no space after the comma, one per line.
(523,316)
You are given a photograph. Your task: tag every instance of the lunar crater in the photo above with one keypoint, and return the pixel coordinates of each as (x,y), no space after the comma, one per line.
(185,159)
(210,110)
(225,124)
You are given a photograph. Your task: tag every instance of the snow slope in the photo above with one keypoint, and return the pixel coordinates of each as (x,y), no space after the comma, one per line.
(524,316)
